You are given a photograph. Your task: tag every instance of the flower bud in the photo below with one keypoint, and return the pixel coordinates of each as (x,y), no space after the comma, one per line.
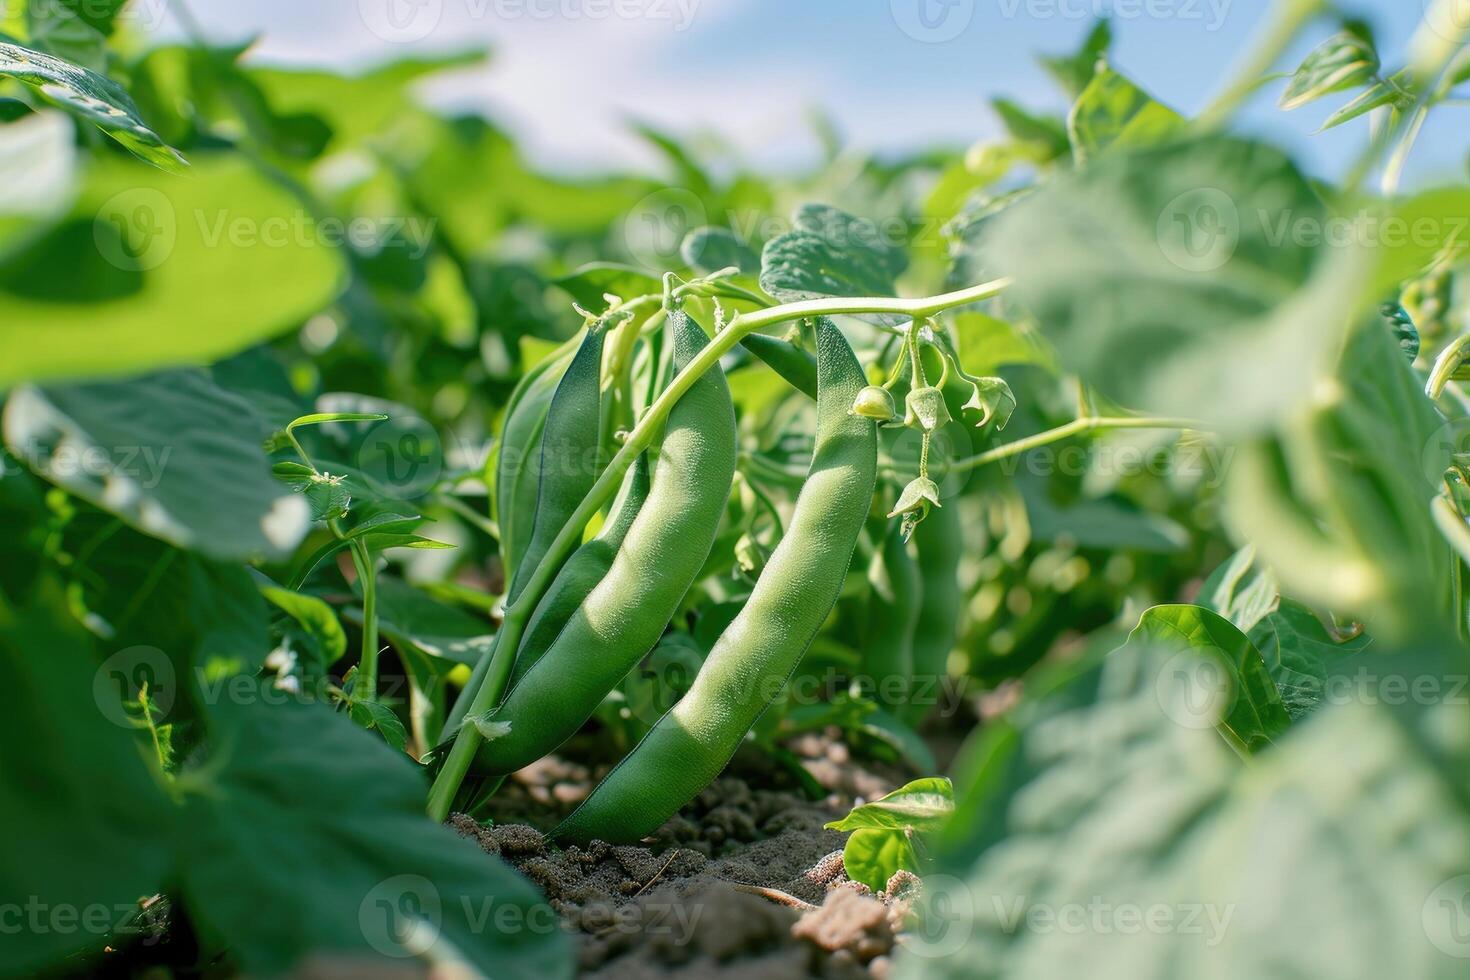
(875,403)
(926,409)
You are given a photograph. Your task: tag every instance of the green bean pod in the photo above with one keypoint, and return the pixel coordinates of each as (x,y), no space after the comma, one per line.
(888,653)
(626,612)
(940,542)
(588,565)
(756,655)
(516,486)
(566,461)
(795,365)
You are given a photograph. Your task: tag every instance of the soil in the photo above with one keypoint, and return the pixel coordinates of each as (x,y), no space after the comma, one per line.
(743,882)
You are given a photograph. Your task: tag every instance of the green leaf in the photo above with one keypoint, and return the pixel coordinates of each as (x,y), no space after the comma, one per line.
(376,715)
(1297,865)
(831,253)
(1300,654)
(314,616)
(1395,91)
(874,856)
(1172,279)
(120,445)
(922,805)
(1073,72)
(351,866)
(1343,61)
(412,618)
(1046,134)
(92,97)
(590,284)
(1232,687)
(89,820)
(38,169)
(1113,111)
(152,271)
(1241,590)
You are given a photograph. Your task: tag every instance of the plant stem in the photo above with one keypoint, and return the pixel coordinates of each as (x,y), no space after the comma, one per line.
(367,665)
(508,640)
(1075,427)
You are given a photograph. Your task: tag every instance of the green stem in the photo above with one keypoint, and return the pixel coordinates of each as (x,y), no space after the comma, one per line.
(508,640)
(1075,427)
(366,686)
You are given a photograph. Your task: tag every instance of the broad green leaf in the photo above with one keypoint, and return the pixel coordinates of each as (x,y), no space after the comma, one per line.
(88,821)
(1343,61)
(1342,853)
(92,97)
(873,856)
(922,805)
(152,270)
(1177,279)
(120,445)
(1230,685)
(1418,231)
(351,866)
(986,344)
(831,253)
(376,715)
(1113,111)
(38,175)
(590,284)
(1300,653)
(1106,522)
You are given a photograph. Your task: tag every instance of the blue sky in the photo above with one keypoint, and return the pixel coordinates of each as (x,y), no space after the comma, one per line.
(566,74)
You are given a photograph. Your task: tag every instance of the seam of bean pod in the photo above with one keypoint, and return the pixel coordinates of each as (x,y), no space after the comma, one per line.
(637,796)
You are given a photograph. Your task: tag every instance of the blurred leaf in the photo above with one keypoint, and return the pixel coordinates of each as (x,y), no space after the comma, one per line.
(1241,590)
(92,97)
(591,283)
(352,866)
(1046,133)
(1171,279)
(1073,72)
(157,271)
(204,486)
(408,616)
(708,250)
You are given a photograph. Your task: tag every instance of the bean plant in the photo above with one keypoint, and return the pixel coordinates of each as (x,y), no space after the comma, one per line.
(314,541)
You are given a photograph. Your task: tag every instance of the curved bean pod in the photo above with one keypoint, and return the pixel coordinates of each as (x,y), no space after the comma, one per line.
(626,612)
(566,461)
(758,651)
